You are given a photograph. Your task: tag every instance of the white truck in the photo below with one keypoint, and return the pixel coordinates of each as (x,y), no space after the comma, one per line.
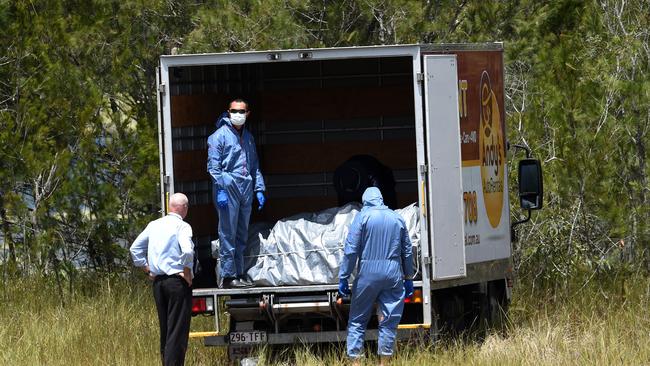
(434,114)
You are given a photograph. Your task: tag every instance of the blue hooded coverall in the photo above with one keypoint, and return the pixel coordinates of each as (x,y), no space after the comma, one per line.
(234,167)
(379,240)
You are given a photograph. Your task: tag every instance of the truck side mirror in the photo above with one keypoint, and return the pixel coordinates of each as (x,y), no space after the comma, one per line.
(531,190)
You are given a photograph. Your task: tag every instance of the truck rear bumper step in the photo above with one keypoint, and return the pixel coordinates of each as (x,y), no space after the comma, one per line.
(222,342)
(313,337)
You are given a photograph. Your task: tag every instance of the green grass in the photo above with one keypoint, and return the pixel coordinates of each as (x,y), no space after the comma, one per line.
(113,322)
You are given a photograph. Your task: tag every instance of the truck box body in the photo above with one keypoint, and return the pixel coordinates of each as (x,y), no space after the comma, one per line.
(434,114)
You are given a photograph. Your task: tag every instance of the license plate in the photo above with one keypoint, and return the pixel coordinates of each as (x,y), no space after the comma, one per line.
(252,337)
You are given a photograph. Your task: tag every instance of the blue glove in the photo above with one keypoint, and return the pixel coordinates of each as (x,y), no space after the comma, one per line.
(408,288)
(260,199)
(344,288)
(222,199)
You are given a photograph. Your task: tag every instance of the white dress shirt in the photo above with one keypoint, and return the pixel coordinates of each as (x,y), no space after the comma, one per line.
(165,245)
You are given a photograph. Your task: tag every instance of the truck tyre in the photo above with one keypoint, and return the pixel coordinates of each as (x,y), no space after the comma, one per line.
(497,305)
(452,314)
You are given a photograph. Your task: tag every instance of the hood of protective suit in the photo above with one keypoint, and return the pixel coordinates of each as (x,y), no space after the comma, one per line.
(372,197)
(223,120)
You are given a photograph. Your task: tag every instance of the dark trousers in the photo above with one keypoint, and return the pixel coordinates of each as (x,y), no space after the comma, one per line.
(174,304)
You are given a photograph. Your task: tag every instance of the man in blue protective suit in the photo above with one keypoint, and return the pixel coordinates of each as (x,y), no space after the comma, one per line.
(379,241)
(236,178)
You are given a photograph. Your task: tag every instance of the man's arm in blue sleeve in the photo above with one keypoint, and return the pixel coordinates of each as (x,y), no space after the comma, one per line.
(259,179)
(139,248)
(407,251)
(352,247)
(215,150)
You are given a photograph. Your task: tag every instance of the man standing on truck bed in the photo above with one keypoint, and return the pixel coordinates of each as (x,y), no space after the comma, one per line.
(165,252)
(379,240)
(235,172)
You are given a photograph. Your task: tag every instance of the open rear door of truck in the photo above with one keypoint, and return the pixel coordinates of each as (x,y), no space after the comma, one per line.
(161,147)
(444,174)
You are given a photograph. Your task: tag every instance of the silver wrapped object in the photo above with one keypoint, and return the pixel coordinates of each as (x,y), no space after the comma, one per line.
(306,249)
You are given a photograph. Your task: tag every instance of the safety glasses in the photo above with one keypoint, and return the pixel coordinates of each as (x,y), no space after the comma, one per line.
(242,111)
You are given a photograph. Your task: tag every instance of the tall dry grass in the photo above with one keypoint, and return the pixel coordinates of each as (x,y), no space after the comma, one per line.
(113,322)
(107,322)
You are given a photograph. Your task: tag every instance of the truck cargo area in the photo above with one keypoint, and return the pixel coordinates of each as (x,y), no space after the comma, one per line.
(308,117)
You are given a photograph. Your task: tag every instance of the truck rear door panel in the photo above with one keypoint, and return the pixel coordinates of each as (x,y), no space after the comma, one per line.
(444,166)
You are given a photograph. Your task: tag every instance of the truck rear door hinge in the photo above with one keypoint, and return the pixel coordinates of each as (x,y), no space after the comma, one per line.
(419,77)
(161,88)
(426,260)
(424,169)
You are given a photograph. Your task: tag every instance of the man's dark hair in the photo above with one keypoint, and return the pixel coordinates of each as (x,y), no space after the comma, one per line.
(239,100)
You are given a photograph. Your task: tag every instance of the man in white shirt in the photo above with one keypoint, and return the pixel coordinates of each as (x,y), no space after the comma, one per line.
(164,250)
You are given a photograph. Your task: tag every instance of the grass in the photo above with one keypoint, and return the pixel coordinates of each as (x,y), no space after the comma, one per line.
(113,322)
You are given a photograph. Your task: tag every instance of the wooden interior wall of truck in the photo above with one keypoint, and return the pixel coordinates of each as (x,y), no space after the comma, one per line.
(307,118)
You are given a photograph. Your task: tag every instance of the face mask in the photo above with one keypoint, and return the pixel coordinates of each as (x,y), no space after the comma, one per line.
(238,119)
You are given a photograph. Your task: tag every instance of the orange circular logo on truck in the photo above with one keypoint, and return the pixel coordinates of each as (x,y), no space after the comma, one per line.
(491,152)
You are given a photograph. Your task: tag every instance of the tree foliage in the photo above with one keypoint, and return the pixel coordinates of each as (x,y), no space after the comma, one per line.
(78,156)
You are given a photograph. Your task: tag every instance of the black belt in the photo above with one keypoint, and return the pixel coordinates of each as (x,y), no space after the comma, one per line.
(165,276)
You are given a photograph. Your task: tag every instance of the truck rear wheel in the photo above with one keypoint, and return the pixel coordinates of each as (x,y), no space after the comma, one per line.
(452,313)
(497,305)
